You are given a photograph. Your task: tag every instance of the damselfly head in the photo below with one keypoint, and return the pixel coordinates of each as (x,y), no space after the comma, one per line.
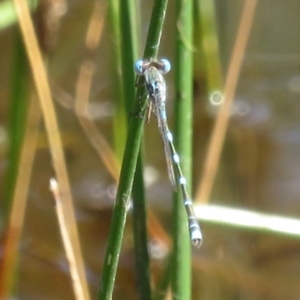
(162,65)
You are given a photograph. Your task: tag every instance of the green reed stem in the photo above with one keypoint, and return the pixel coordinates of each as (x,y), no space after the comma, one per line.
(132,148)
(119,120)
(129,55)
(17,119)
(206,25)
(181,266)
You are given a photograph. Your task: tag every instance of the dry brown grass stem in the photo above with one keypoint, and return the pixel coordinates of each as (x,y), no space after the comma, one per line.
(16,218)
(95,28)
(60,212)
(48,112)
(220,128)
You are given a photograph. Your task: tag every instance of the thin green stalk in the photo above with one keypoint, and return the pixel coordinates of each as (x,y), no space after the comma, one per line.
(206,24)
(129,161)
(129,49)
(119,120)
(18,110)
(155,29)
(142,260)
(181,267)
(129,55)
(122,203)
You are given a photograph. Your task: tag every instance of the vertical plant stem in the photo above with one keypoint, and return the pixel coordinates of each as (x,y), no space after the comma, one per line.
(17,212)
(128,26)
(206,24)
(129,161)
(43,91)
(122,202)
(67,241)
(129,55)
(142,259)
(155,28)
(119,120)
(17,117)
(181,273)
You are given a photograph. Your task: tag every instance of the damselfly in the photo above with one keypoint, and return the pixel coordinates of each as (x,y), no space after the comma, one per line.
(156,87)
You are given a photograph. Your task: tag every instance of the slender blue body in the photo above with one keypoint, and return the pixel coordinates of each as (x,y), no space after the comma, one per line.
(153,72)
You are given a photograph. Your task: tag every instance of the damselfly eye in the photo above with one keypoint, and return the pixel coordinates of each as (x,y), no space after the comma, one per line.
(138,67)
(165,66)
